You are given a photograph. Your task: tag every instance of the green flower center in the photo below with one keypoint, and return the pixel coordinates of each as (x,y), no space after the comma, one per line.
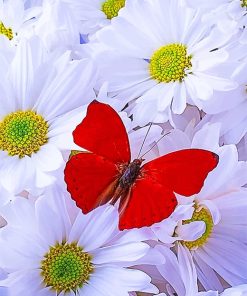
(169,63)
(6,31)
(23,133)
(112,7)
(200,215)
(66,268)
(244,3)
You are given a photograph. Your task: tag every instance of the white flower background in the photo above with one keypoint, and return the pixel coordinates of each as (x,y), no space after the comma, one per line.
(56,57)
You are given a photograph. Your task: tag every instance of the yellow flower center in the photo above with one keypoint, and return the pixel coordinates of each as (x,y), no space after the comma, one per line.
(6,31)
(112,7)
(65,268)
(244,3)
(200,215)
(23,133)
(169,63)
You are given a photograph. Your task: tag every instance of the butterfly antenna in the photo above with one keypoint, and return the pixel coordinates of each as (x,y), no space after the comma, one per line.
(155,144)
(144,139)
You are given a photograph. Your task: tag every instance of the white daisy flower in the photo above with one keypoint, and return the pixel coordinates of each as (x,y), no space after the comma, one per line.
(240,290)
(228,15)
(39,109)
(52,21)
(234,123)
(56,26)
(179,274)
(68,257)
(95,14)
(214,228)
(16,20)
(180,277)
(161,62)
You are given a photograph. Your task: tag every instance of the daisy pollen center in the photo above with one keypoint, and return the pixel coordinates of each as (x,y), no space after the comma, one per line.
(244,3)
(169,63)
(66,268)
(23,133)
(6,31)
(200,215)
(112,7)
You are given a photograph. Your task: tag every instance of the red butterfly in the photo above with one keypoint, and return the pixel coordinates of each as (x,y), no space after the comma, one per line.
(106,173)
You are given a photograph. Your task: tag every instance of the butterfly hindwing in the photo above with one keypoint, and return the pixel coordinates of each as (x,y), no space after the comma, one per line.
(90,179)
(103,133)
(148,202)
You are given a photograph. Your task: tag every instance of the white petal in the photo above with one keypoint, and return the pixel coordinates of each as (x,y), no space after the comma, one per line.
(206,274)
(27,58)
(120,253)
(191,231)
(187,270)
(134,235)
(48,158)
(43,179)
(124,280)
(17,174)
(45,214)
(179,99)
(218,83)
(214,211)
(102,225)
(66,87)
(170,270)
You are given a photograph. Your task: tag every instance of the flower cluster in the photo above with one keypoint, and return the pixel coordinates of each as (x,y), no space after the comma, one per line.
(176,73)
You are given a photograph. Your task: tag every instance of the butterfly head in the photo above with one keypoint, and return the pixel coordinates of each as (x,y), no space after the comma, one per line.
(138,161)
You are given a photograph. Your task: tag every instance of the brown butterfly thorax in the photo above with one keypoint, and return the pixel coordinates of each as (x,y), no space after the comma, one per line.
(129,174)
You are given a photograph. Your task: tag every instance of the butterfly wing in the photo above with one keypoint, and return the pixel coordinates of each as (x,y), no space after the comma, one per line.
(92,177)
(103,133)
(151,198)
(183,171)
(148,202)
(91,180)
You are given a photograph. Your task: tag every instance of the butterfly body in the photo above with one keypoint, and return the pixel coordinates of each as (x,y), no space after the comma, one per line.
(131,173)
(146,193)
(128,177)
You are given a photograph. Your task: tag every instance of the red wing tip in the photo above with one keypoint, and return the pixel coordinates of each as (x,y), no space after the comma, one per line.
(216,156)
(95,102)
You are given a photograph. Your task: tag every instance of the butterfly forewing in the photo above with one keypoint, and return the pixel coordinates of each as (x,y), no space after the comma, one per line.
(183,171)
(103,133)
